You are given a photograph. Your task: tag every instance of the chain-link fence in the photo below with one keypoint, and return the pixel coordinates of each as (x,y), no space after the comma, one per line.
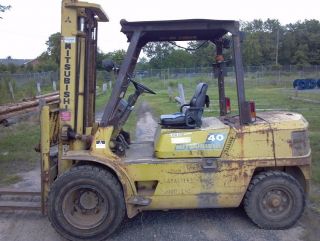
(14,87)
(255,76)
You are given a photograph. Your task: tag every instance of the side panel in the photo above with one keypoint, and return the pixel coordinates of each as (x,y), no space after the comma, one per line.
(251,144)
(190,184)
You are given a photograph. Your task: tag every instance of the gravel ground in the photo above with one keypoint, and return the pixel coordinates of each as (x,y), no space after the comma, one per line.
(179,225)
(182,225)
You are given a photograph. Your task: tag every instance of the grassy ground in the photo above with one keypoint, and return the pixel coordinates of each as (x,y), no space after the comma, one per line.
(17,153)
(17,144)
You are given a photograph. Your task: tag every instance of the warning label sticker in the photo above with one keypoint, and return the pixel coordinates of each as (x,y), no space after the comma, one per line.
(100,144)
(69,40)
(65,115)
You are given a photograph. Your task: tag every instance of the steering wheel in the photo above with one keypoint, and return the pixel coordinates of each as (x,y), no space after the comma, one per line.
(141,88)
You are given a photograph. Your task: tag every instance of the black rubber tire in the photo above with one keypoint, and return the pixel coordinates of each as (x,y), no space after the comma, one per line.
(256,200)
(109,194)
(302,84)
(295,83)
(312,84)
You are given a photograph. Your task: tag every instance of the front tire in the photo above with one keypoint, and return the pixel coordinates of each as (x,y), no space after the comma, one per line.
(274,200)
(86,203)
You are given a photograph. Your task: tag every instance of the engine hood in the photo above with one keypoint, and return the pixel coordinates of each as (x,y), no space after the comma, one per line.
(283,120)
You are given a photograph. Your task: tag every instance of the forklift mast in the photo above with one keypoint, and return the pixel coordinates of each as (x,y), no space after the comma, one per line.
(79,28)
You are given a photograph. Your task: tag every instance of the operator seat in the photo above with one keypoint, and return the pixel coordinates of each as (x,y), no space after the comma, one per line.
(190,116)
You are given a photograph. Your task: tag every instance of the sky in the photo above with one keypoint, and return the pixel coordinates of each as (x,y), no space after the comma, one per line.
(26,27)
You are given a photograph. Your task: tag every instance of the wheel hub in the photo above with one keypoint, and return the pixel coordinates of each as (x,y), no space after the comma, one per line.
(275,202)
(84,207)
(88,200)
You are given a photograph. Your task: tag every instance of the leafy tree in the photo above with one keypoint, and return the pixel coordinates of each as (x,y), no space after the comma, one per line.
(252,50)
(300,56)
(46,63)
(203,56)
(50,59)
(158,52)
(116,56)
(179,58)
(3,68)
(262,41)
(12,68)
(54,47)
(143,64)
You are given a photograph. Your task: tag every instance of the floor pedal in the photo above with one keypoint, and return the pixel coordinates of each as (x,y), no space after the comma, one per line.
(141,201)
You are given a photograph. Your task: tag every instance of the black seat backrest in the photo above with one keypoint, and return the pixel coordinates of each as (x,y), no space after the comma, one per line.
(190,117)
(199,98)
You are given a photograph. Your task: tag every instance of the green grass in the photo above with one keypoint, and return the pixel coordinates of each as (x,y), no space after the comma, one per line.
(17,153)
(22,91)
(101,101)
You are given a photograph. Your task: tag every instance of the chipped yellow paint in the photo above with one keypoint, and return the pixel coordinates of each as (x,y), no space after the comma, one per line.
(187,184)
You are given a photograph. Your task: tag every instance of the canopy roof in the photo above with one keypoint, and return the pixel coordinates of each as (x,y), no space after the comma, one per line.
(179,30)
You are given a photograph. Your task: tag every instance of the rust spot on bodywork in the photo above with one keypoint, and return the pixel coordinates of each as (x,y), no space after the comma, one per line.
(207,181)
(298,161)
(208,200)
(240,136)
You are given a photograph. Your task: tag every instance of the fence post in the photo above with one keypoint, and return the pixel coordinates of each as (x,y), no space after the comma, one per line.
(181,94)
(163,73)
(38,88)
(170,93)
(104,88)
(54,85)
(11,90)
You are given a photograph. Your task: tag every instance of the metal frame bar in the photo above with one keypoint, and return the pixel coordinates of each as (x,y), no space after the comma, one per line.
(220,66)
(244,112)
(140,33)
(122,81)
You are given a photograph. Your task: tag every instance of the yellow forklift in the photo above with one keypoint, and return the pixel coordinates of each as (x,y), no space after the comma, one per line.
(97,177)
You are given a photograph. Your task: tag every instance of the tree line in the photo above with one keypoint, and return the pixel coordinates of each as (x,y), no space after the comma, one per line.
(264,43)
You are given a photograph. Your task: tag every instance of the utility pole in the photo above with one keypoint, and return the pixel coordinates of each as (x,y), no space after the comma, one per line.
(277,46)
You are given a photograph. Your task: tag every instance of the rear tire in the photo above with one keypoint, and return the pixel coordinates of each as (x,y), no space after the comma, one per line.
(86,203)
(274,200)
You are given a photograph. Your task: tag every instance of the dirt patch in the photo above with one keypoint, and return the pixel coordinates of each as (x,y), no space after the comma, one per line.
(310,221)
(30,180)
(311,217)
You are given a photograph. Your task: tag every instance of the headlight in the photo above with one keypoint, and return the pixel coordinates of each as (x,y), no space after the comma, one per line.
(300,143)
